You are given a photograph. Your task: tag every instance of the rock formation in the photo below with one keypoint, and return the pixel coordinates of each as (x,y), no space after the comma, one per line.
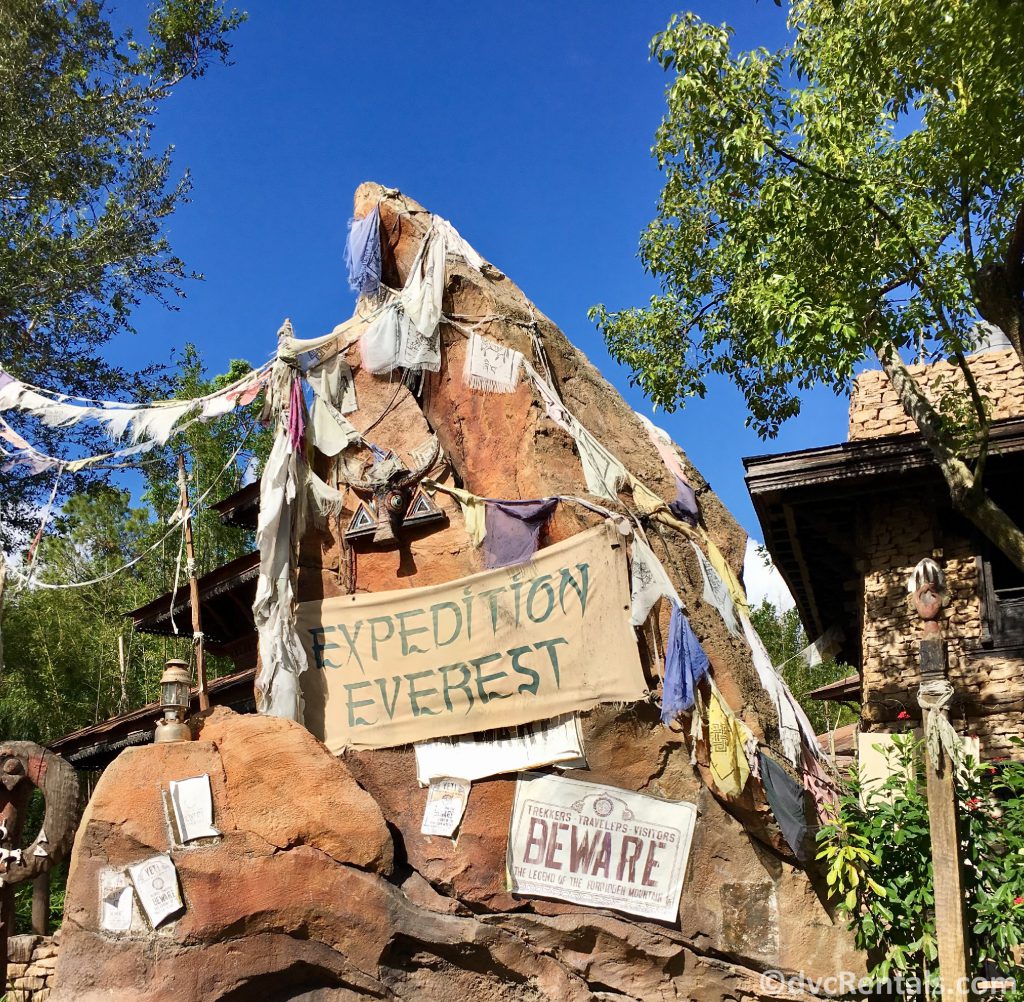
(322,886)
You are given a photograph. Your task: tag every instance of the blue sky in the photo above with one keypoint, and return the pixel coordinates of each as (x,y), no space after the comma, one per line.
(528,124)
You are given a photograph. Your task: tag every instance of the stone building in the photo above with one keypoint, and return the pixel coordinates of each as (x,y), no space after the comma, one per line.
(847,523)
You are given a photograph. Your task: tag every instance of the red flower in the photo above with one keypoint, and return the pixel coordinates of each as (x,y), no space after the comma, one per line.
(1018,901)
(973,803)
(992,770)
(903,715)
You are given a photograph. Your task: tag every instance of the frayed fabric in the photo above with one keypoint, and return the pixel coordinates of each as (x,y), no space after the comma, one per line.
(685,665)
(363,253)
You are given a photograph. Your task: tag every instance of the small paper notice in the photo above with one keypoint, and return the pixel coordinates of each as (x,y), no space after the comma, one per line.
(193,808)
(156,883)
(446,803)
(117,905)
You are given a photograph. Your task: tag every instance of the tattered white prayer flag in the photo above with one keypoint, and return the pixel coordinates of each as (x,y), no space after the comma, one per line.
(423,292)
(491,366)
(823,648)
(649,582)
(330,431)
(446,803)
(456,244)
(392,341)
(716,593)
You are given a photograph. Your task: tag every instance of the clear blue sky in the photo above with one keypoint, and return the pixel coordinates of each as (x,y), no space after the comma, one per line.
(528,124)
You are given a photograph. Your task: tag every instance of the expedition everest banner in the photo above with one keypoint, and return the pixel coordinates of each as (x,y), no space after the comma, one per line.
(496,649)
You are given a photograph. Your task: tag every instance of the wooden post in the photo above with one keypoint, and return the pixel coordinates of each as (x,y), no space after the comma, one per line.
(193,584)
(929,598)
(41,904)
(13,804)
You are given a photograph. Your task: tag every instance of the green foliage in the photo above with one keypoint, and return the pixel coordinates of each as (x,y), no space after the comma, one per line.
(84,196)
(879,871)
(63,665)
(784,639)
(854,190)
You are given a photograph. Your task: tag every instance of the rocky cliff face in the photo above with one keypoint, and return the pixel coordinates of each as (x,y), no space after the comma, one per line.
(322,886)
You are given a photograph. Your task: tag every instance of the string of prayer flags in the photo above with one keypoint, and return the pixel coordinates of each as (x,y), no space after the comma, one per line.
(491,366)
(648,582)
(785,797)
(727,738)
(363,254)
(685,665)
(473,510)
(512,530)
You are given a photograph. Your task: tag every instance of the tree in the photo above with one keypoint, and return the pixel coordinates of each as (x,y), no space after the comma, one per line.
(857,194)
(784,639)
(83,195)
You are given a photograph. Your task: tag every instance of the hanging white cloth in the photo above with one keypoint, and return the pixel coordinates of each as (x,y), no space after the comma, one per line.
(457,245)
(330,431)
(648,582)
(491,366)
(392,341)
(333,381)
(423,292)
(716,593)
(282,658)
(794,727)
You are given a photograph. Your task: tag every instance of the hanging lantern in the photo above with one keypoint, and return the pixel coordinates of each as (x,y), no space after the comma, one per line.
(175,689)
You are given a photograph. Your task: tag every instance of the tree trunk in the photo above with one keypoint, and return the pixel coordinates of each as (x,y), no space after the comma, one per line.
(967,494)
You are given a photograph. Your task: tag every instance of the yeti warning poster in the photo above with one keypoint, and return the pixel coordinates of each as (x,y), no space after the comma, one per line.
(599,846)
(498,649)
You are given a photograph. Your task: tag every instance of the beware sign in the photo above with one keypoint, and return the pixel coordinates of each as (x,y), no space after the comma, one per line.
(599,846)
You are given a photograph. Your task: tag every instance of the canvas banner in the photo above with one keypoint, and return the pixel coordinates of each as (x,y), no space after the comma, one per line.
(598,846)
(497,649)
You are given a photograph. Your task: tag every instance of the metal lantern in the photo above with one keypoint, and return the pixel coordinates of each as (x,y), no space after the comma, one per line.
(175,689)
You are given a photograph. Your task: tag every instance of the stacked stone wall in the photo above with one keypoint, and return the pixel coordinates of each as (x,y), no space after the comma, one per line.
(875,411)
(30,965)
(894,535)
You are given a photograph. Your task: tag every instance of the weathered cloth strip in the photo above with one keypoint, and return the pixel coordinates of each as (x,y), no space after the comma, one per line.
(491,366)
(424,287)
(362,253)
(685,665)
(716,593)
(649,582)
(786,798)
(727,736)
(513,528)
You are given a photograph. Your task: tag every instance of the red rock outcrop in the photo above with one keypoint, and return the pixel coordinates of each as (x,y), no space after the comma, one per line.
(323,887)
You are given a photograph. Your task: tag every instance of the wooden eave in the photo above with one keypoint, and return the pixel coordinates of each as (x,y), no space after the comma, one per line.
(242,508)
(93,747)
(225,597)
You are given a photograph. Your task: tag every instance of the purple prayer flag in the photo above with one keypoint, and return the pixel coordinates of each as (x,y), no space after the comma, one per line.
(362,253)
(685,506)
(685,665)
(513,528)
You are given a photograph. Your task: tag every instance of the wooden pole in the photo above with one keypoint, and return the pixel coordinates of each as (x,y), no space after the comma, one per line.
(929,598)
(193,584)
(41,904)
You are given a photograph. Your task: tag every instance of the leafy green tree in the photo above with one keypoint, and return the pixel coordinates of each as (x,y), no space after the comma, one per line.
(70,657)
(784,639)
(856,195)
(84,195)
